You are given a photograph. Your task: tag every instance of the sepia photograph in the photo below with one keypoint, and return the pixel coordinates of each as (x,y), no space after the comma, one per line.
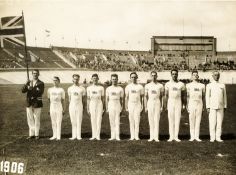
(120,87)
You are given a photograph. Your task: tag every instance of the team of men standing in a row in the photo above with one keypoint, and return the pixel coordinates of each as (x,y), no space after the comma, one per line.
(153,99)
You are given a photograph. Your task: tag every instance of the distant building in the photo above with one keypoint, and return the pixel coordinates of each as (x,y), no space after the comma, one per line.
(192,50)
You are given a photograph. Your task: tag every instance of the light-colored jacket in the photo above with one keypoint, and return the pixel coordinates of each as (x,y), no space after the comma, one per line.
(216,96)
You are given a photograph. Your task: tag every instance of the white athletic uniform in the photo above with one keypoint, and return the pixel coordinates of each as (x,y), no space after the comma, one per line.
(153,91)
(56,94)
(95,92)
(114,93)
(76,94)
(134,92)
(216,100)
(195,91)
(174,107)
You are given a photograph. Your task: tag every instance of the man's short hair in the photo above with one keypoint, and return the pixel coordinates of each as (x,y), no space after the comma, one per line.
(215,71)
(174,70)
(133,73)
(75,75)
(95,75)
(35,70)
(114,75)
(56,78)
(153,72)
(194,71)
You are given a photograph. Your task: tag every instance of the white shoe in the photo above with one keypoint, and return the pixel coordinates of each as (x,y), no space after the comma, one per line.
(72,138)
(219,140)
(170,140)
(58,139)
(118,139)
(137,138)
(98,138)
(149,140)
(212,140)
(157,140)
(191,139)
(198,140)
(110,139)
(92,138)
(177,140)
(52,138)
(79,138)
(131,139)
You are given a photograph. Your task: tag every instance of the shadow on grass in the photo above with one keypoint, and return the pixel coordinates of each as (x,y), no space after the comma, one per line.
(229,136)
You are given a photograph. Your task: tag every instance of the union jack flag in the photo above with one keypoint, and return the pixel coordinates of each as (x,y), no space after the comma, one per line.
(12,32)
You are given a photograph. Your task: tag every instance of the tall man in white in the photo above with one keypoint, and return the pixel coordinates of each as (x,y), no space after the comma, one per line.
(114,106)
(34,103)
(195,99)
(76,96)
(134,104)
(56,97)
(95,107)
(175,99)
(154,92)
(216,104)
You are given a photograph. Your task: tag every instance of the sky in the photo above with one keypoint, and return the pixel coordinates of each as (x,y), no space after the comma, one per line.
(122,24)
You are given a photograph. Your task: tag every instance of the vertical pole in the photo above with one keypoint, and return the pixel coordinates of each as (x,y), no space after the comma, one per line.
(26,55)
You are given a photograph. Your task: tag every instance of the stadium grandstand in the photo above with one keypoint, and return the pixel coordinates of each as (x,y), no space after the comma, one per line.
(184,53)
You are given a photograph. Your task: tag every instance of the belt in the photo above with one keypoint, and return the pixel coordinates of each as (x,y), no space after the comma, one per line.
(114,99)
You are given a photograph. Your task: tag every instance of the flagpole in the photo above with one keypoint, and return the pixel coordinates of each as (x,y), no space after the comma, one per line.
(26,60)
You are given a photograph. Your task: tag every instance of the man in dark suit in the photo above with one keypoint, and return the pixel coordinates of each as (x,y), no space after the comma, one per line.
(34,89)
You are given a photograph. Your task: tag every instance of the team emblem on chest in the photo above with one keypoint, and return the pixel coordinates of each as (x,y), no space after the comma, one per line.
(154,92)
(175,89)
(113,93)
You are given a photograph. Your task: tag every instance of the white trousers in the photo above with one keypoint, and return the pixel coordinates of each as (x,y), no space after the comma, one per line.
(174,115)
(153,107)
(215,123)
(33,119)
(114,109)
(134,119)
(96,110)
(56,118)
(195,115)
(76,116)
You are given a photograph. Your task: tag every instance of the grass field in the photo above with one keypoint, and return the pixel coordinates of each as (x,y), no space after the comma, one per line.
(111,157)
